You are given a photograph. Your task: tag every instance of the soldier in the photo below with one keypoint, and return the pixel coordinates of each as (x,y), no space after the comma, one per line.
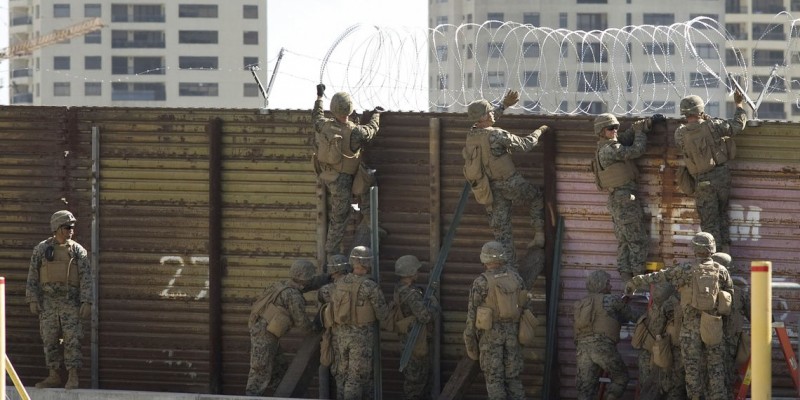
(495,181)
(358,305)
(598,319)
(339,145)
(338,267)
(280,307)
(59,291)
(492,332)
(701,287)
(409,298)
(707,144)
(740,311)
(615,171)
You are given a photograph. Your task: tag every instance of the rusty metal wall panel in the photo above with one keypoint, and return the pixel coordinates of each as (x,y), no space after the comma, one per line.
(44,167)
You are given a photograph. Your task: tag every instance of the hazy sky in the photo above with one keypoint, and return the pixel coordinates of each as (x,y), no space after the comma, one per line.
(308,28)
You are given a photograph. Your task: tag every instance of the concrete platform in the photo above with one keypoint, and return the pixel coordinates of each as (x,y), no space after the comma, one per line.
(88,394)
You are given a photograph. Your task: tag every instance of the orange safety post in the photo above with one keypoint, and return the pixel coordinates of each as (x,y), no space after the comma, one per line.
(761,330)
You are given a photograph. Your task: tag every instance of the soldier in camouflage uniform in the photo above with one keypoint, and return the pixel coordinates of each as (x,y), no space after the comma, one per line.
(338,267)
(409,298)
(598,319)
(707,144)
(740,311)
(358,305)
(280,307)
(59,291)
(616,172)
(492,333)
(496,183)
(706,372)
(339,145)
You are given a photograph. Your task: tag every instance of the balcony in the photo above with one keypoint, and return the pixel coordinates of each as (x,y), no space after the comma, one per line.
(22,98)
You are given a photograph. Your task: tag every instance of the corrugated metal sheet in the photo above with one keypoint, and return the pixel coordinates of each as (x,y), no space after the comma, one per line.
(154,311)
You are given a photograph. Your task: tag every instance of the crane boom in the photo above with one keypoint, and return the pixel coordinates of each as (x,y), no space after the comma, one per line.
(28,46)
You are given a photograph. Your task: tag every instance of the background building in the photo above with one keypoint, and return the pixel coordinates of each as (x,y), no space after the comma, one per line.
(162,53)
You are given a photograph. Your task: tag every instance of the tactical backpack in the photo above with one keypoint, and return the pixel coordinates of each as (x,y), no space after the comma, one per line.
(329,145)
(503,297)
(396,322)
(583,312)
(705,286)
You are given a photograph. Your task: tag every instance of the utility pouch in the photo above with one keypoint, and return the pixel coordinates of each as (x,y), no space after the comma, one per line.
(710,329)
(326,349)
(686,182)
(724,302)
(662,352)
(483,318)
(482,190)
(280,321)
(363,180)
(527,328)
(327,316)
(743,349)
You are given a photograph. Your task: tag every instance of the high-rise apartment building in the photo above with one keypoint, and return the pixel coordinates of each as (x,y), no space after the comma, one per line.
(167,53)
(482,64)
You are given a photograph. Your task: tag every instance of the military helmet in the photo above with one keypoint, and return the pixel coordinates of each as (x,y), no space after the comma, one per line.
(478,108)
(302,270)
(493,251)
(406,266)
(597,280)
(692,105)
(722,258)
(361,255)
(341,104)
(602,121)
(338,263)
(704,241)
(59,218)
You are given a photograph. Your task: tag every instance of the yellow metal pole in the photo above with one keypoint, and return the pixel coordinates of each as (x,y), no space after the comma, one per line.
(761,330)
(23,394)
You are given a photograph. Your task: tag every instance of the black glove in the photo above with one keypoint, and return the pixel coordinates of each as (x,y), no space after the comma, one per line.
(657,118)
(320,90)
(378,110)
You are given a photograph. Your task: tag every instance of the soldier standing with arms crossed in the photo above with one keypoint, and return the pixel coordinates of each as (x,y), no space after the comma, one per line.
(59,291)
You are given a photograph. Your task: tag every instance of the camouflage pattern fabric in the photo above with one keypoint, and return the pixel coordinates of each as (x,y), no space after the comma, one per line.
(417,372)
(706,372)
(734,326)
(713,187)
(501,357)
(59,316)
(594,354)
(264,349)
(656,382)
(623,203)
(353,351)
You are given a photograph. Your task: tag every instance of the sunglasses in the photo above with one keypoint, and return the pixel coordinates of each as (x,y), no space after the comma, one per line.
(68,227)
(612,127)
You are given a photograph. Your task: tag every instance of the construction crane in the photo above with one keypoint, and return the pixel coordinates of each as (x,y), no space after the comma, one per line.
(28,46)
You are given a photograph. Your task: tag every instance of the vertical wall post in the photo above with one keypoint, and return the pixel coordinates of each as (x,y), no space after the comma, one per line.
(95,259)
(435,235)
(215,255)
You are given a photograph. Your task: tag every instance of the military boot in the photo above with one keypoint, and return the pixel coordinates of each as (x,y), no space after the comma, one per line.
(72,381)
(53,380)
(538,240)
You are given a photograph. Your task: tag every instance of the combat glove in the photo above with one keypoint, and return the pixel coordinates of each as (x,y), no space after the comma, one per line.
(541,131)
(656,118)
(511,98)
(642,125)
(738,97)
(320,90)
(378,110)
(35,308)
(86,310)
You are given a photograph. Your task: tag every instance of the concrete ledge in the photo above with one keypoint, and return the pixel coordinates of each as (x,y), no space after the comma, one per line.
(89,394)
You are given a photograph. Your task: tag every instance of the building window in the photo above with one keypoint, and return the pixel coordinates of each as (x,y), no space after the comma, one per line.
(562,20)
(531,18)
(767,58)
(495,49)
(495,18)
(776,85)
(771,110)
(704,80)
(61,11)
(591,107)
(137,66)
(629,81)
(61,62)
(531,107)
(706,50)
(658,77)
(197,11)
(469,52)
(250,37)
(667,107)
(530,79)
(92,62)
(768,32)
(469,20)
(198,37)
(137,39)
(92,10)
(469,80)
(705,23)
(93,37)
(737,31)
(143,91)
(250,62)
(92,89)
(734,57)
(442,80)
(659,49)
(441,20)
(592,21)
(592,82)
(563,106)
(191,62)
(658,19)
(137,13)
(530,49)
(497,79)
(768,6)
(60,89)
(592,52)
(441,52)
(592,1)
(250,90)
(250,12)
(203,89)
(562,79)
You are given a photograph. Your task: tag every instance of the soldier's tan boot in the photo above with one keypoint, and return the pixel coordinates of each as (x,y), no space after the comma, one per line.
(72,381)
(52,381)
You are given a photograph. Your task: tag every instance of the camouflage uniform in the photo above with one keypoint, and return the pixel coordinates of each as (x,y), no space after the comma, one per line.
(712,188)
(623,202)
(267,362)
(740,311)
(656,382)
(417,371)
(512,190)
(353,352)
(339,189)
(501,357)
(706,371)
(597,351)
(60,302)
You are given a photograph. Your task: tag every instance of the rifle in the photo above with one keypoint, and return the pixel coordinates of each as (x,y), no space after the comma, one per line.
(436,273)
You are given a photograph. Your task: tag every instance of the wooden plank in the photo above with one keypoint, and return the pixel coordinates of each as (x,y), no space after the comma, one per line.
(304,366)
(461,380)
